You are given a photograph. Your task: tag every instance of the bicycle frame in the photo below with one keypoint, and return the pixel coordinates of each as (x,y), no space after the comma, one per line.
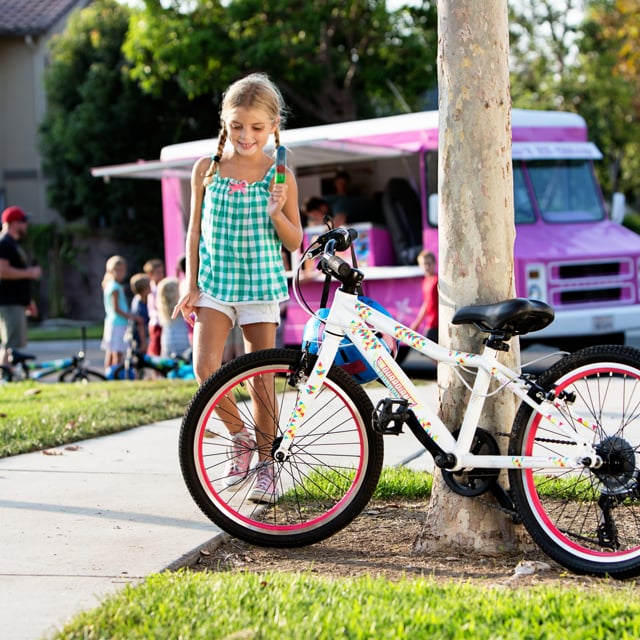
(38,370)
(351,317)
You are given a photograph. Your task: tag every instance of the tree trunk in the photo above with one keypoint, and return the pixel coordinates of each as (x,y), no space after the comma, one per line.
(476,237)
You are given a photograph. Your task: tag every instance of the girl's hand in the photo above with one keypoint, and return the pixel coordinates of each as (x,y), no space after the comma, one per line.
(277,199)
(186,306)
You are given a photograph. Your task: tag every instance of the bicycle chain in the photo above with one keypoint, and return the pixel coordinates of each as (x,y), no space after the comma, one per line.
(510,513)
(496,506)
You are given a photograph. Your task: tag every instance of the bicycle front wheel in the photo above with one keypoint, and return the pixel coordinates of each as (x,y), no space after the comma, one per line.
(587,519)
(335,458)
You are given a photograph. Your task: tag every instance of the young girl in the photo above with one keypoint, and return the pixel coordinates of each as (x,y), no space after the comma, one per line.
(116,311)
(174,339)
(239,220)
(428,313)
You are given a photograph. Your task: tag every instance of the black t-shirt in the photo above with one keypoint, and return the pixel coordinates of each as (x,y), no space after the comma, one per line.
(14,291)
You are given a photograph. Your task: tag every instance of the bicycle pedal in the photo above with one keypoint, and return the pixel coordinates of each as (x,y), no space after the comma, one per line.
(389,416)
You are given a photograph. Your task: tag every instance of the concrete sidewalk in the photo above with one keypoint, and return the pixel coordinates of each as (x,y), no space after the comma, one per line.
(80,522)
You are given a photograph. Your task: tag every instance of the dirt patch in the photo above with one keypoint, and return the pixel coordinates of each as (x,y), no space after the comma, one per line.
(378,543)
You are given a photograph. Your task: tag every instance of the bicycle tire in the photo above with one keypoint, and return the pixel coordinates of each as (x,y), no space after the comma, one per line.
(332,472)
(588,520)
(82,375)
(122,372)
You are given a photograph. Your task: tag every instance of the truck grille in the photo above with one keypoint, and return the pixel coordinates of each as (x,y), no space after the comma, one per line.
(590,295)
(592,283)
(589,270)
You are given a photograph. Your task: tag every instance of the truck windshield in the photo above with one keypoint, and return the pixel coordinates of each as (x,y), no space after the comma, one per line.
(565,190)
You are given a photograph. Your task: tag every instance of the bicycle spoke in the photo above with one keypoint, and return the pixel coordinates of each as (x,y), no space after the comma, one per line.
(587,519)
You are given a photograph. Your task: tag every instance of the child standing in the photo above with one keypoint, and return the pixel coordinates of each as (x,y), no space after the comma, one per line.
(428,313)
(154,269)
(174,339)
(116,311)
(238,222)
(140,287)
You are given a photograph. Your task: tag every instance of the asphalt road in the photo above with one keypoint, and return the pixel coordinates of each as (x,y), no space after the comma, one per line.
(50,349)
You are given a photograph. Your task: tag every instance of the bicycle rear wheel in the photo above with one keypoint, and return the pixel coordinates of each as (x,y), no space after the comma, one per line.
(335,461)
(586,519)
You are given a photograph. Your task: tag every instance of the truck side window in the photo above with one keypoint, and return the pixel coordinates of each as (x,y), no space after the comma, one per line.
(522,198)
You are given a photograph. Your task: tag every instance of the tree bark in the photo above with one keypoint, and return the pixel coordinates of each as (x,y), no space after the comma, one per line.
(476,238)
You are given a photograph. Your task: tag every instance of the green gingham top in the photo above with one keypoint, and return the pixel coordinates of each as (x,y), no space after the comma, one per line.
(240,251)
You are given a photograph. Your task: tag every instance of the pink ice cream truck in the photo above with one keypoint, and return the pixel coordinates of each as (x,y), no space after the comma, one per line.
(569,250)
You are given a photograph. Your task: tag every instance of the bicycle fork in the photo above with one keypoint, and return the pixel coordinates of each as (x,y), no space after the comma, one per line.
(312,386)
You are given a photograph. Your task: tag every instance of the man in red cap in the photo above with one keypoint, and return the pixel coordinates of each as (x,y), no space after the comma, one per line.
(16,277)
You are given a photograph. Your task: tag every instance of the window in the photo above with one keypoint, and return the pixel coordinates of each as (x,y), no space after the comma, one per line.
(565,190)
(522,204)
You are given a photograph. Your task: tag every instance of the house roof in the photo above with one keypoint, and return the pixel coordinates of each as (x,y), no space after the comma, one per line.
(33,17)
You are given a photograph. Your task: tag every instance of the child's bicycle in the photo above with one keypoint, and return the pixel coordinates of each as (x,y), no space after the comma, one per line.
(137,364)
(25,366)
(572,455)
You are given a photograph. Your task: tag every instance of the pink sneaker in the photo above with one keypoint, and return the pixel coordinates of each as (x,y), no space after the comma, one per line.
(239,454)
(264,489)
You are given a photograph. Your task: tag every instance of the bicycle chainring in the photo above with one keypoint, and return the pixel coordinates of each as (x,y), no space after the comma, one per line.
(474,482)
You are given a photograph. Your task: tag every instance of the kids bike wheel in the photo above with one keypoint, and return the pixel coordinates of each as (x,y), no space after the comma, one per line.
(586,519)
(82,375)
(335,458)
(6,375)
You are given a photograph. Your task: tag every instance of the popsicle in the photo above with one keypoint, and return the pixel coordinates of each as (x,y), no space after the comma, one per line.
(281,161)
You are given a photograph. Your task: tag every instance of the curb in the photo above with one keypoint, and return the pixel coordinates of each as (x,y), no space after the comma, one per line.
(190,559)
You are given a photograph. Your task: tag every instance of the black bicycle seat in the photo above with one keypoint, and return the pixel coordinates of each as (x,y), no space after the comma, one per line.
(20,356)
(516,316)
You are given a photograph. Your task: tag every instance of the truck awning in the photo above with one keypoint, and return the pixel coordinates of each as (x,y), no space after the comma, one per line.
(393,136)
(150,169)
(555,151)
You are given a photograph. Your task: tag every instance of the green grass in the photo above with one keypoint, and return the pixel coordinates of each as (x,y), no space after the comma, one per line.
(300,606)
(36,416)
(570,487)
(37,332)
(395,482)
(291,605)
(400,482)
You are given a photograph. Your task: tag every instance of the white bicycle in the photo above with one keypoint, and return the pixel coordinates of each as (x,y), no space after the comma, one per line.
(572,455)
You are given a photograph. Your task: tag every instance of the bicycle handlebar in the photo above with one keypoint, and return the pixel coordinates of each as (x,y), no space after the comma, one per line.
(340,237)
(328,243)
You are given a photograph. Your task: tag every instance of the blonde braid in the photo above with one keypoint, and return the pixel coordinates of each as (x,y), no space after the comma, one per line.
(215,163)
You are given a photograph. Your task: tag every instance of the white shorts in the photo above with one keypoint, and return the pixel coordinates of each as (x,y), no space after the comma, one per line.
(243,312)
(113,338)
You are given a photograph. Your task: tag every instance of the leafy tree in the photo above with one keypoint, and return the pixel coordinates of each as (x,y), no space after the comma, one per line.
(584,57)
(607,90)
(337,62)
(97,116)
(543,35)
